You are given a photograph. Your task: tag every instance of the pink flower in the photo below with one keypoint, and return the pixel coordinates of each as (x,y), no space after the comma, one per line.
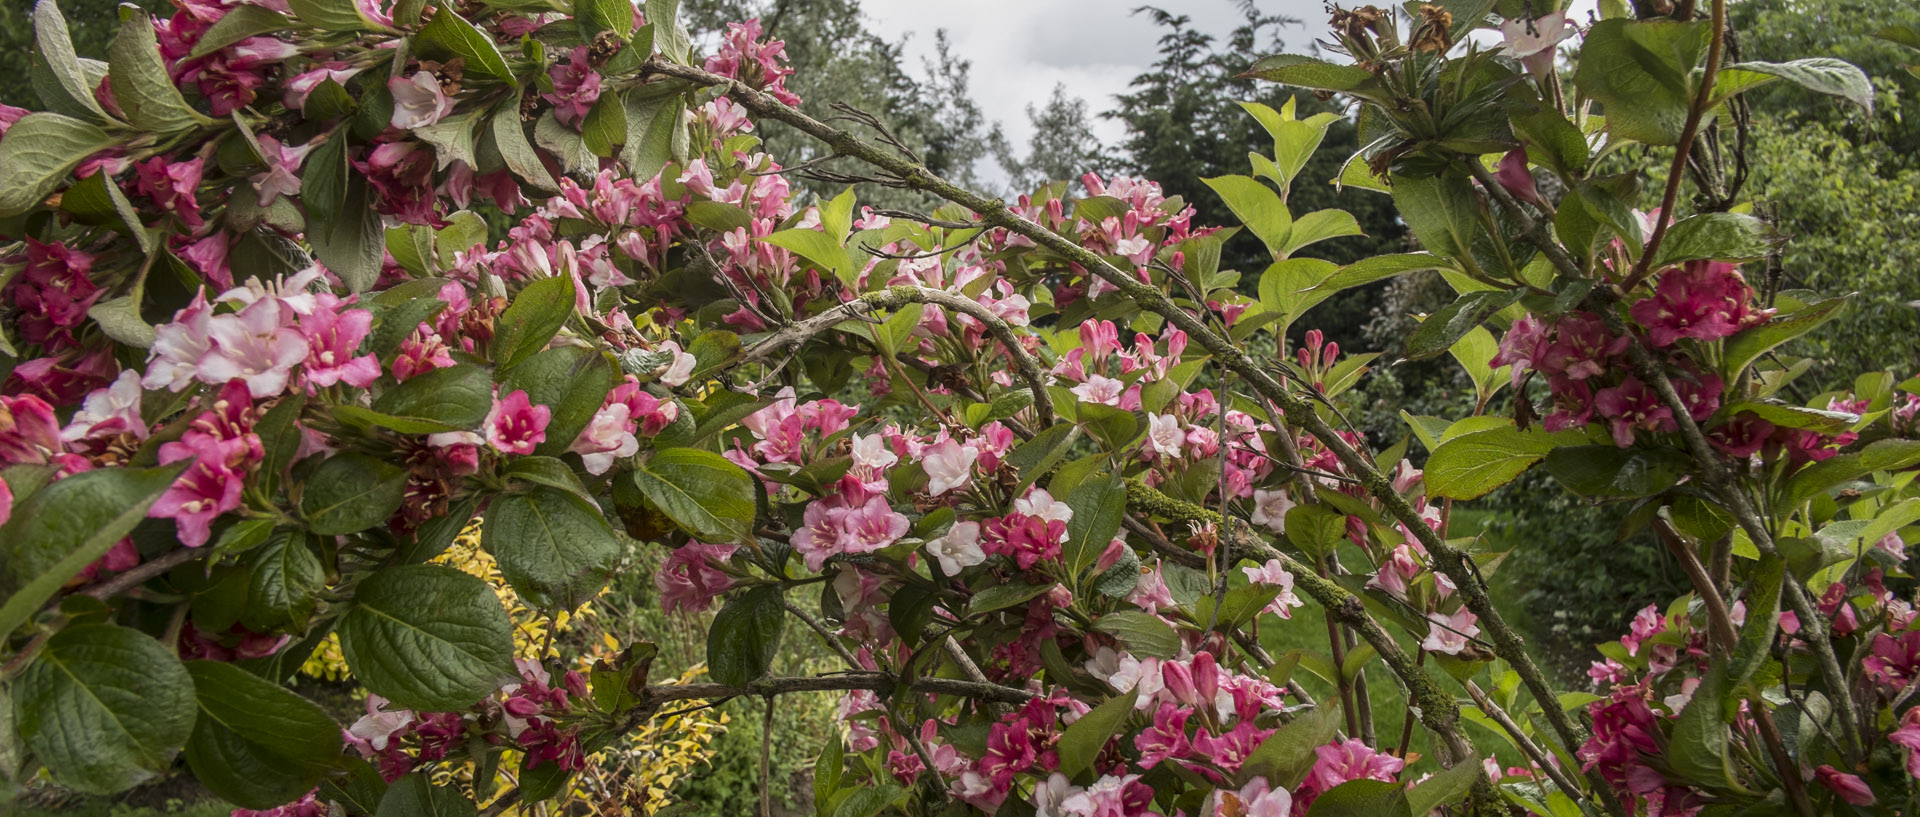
(303,84)
(871,526)
(421,352)
(6,502)
(1273,574)
(28,430)
(1255,799)
(172,186)
(1165,436)
(1894,659)
(418,100)
(1908,735)
(282,177)
(607,437)
(332,338)
(174,360)
(1704,300)
(52,294)
(257,345)
(1025,539)
(1515,177)
(689,580)
(1110,796)
(576,86)
(1099,389)
(1581,347)
(1450,633)
(1848,786)
(1343,761)
(757,64)
(208,488)
(515,425)
(949,465)
(1632,406)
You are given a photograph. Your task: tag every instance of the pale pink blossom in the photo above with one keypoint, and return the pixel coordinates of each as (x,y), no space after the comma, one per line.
(418,101)
(1164,435)
(958,548)
(1100,389)
(607,438)
(1450,633)
(949,465)
(1270,509)
(258,345)
(1273,574)
(109,411)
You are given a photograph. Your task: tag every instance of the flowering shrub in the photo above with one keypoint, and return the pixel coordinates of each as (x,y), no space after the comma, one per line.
(266,366)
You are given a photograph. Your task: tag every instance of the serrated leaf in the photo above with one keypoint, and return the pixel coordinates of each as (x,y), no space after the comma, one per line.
(351,492)
(141,86)
(104,707)
(38,153)
(1470,465)
(428,637)
(1083,739)
(255,743)
(702,492)
(58,530)
(552,546)
(1142,633)
(746,636)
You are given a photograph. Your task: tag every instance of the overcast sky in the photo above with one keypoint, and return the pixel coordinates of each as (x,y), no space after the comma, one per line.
(1021,48)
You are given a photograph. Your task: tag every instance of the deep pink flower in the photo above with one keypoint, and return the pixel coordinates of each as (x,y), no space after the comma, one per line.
(1742,436)
(208,488)
(1703,300)
(1632,406)
(421,352)
(689,580)
(172,186)
(65,378)
(1581,347)
(743,57)
(52,293)
(401,174)
(1848,786)
(1894,659)
(28,431)
(576,86)
(515,425)
(332,338)
(1025,539)
(1908,735)
(1515,177)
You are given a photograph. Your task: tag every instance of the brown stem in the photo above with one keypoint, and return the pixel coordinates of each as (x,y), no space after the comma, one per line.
(1526,744)
(1702,102)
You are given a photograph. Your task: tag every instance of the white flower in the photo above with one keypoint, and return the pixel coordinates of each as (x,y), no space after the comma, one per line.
(958,549)
(119,401)
(871,450)
(1164,434)
(1270,509)
(418,101)
(1450,633)
(256,345)
(1050,798)
(1118,669)
(1098,389)
(1532,42)
(1039,503)
(681,369)
(949,465)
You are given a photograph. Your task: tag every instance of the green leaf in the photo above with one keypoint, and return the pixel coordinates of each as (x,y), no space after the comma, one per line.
(869,801)
(1363,798)
(1719,236)
(39,151)
(331,15)
(706,495)
(97,199)
(428,637)
(453,139)
(1258,207)
(239,23)
(605,129)
(526,326)
(353,242)
(58,79)
(1141,633)
(141,86)
(1698,750)
(60,529)
(827,770)
(1791,416)
(670,32)
(1747,346)
(1316,529)
(1445,787)
(1083,739)
(746,636)
(284,582)
(1442,211)
(415,796)
(1099,505)
(552,546)
(352,492)
(595,16)
(1294,140)
(1611,471)
(456,397)
(1320,75)
(652,124)
(546,471)
(1820,74)
(104,707)
(1286,756)
(1470,465)
(255,743)
(1640,71)
(1001,596)
(448,35)
(1441,330)
(1815,479)
(817,247)
(518,154)
(718,216)
(1318,226)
